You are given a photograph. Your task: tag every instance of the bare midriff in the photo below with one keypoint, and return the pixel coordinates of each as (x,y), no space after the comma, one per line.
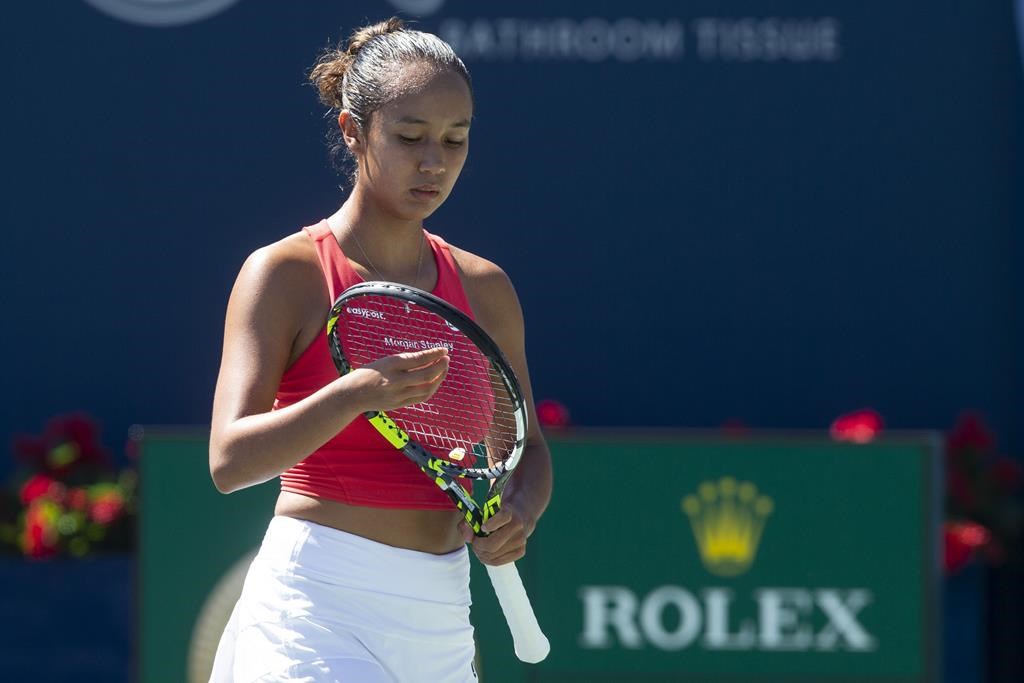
(429,531)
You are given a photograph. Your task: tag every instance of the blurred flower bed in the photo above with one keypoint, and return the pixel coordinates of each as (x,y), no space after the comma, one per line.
(66,496)
(984,514)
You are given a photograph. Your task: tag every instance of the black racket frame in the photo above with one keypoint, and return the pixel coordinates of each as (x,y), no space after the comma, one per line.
(442,472)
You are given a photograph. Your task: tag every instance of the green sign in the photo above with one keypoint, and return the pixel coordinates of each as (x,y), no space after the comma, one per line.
(666,558)
(762,559)
(192,541)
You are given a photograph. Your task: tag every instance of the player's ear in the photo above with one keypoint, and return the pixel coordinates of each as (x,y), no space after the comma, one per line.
(350,130)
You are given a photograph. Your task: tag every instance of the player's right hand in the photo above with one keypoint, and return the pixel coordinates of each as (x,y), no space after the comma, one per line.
(401,379)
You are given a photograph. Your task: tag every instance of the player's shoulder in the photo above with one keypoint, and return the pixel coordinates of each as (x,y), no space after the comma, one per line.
(480,273)
(491,294)
(290,252)
(287,268)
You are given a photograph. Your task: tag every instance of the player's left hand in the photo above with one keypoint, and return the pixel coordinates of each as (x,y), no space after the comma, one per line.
(507,532)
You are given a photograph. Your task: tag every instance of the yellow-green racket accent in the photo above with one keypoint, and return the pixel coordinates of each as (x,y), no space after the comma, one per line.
(389,430)
(475,516)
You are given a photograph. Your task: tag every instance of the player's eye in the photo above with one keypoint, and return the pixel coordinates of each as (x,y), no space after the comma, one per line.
(413,141)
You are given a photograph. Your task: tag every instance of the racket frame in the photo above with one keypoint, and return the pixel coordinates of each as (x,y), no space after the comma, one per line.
(529,641)
(443,472)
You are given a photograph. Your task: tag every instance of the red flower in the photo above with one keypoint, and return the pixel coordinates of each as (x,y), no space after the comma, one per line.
(956,554)
(68,442)
(40,536)
(78,499)
(107,507)
(970,433)
(83,432)
(860,426)
(551,413)
(36,542)
(734,427)
(961,540)
(72,493)
(38,486)
(974,535)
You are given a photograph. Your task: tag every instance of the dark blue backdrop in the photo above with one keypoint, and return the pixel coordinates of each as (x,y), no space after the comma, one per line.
(825,197)
(830,196)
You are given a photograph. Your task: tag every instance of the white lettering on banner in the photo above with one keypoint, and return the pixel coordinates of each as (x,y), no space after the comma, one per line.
(717,636)
(843,624)
(780,618)
(611,606)
(615,615)
(767,40)
(592,40)
(689,618)
(630,39)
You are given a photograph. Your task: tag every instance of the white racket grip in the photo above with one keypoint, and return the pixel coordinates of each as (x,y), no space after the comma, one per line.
(530,643)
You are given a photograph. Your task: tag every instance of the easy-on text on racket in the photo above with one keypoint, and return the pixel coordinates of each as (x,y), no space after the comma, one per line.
(473,427)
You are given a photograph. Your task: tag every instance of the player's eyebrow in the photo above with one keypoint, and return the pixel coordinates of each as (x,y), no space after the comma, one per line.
(464,123)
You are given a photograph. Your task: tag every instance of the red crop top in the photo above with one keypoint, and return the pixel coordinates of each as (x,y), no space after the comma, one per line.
(358,466)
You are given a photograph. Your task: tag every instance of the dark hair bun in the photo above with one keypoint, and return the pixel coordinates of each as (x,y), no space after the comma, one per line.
(364,35)
(329,70)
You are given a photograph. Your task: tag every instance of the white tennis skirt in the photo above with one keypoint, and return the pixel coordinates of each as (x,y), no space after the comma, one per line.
(321,605)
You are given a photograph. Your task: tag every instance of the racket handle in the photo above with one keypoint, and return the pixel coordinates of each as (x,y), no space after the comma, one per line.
(530,643)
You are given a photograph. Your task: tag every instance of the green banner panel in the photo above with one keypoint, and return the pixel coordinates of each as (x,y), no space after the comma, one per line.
(765,559)
(191,537)
(662,558)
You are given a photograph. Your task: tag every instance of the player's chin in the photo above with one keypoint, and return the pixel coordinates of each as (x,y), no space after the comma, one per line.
(423,205)
(412,214)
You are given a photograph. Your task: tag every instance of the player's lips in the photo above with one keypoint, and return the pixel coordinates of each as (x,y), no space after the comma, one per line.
(426,191)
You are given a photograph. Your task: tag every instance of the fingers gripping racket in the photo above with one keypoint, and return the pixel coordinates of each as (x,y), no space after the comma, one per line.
(472,428)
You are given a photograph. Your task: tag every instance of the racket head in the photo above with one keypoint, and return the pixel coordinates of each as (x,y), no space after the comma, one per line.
(476,421)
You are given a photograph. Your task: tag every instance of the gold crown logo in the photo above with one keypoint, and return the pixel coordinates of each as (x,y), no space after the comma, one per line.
(727,519)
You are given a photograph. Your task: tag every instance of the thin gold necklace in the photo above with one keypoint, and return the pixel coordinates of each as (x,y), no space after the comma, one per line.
(419,259)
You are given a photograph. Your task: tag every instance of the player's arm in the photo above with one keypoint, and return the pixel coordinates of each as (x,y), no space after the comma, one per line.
(528,491)
(249,442)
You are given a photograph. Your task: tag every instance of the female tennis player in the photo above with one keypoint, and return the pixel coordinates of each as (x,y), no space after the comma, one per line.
(363,574)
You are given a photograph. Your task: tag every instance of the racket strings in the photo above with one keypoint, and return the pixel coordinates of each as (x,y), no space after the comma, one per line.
(470,420)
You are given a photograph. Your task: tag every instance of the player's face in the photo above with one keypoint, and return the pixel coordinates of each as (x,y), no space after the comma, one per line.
(417,144)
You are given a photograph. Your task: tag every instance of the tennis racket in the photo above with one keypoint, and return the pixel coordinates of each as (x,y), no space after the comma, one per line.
(472,428)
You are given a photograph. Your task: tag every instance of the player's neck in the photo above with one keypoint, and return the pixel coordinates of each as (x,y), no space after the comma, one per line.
(390,244)
(374,225)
